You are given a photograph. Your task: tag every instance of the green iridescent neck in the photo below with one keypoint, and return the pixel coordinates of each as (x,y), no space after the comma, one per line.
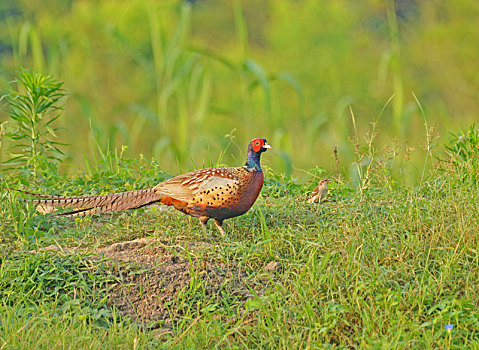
(252,163)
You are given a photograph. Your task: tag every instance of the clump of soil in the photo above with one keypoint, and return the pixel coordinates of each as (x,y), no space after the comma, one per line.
(152,278)
(154,281)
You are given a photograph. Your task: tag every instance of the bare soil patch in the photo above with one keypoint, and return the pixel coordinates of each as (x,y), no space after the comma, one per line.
(152,277)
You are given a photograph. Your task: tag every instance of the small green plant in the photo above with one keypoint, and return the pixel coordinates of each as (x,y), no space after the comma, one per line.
(463,150)
(33,107)
(464,146)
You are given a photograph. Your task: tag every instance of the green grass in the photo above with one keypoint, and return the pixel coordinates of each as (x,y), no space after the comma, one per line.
(386,267)
(387,262)
(380,264)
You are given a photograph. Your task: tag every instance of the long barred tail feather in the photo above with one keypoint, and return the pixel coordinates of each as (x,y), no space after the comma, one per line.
(87,205)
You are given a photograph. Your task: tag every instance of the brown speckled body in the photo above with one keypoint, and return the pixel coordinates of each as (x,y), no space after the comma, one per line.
(218,193)
(212,193)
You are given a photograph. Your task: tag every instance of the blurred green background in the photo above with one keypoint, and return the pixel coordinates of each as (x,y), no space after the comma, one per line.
(170,79)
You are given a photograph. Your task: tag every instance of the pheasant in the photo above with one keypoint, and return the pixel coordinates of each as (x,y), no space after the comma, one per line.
(319,192)
(212,193)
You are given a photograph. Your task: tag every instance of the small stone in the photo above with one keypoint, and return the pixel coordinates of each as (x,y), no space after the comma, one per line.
(272,266)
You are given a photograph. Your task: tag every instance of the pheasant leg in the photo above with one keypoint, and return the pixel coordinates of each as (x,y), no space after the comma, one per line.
(219,225)
(203,221)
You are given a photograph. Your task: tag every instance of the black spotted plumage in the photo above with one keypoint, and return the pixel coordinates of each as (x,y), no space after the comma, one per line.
(212,193)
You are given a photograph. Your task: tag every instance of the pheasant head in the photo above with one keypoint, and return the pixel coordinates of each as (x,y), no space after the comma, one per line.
(255,148)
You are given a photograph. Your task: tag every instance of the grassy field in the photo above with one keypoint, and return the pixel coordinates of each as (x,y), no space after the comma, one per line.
(380,265)
(379,96)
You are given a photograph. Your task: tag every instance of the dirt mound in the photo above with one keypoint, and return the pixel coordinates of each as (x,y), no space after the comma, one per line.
(157,284)
(152,278)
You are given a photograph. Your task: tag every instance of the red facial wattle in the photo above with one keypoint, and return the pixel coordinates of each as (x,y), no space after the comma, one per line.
(257,144)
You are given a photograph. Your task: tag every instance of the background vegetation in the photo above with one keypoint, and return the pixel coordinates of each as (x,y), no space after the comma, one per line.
(170,79)
(390,260)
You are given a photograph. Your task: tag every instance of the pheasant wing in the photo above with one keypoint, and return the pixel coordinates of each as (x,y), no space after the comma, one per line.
(188,187)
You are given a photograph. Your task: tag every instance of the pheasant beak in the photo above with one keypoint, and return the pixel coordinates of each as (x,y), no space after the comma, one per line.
(267,145)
